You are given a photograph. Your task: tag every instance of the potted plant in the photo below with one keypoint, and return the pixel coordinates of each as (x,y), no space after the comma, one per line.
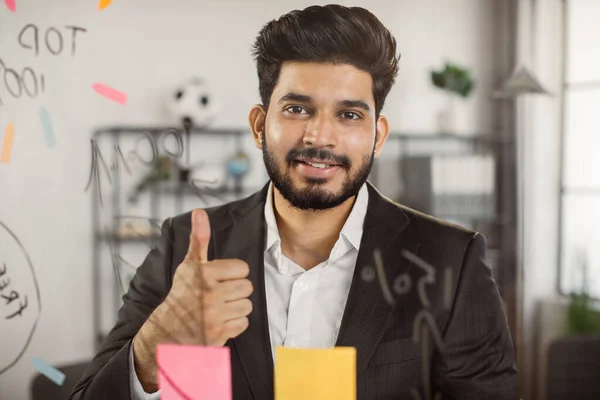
(161,171)
(456,82)
(582,316)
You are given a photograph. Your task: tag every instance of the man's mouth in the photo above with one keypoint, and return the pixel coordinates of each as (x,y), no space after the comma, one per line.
(319,163)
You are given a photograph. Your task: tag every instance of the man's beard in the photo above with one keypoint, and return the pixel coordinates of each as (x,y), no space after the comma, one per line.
(314,196)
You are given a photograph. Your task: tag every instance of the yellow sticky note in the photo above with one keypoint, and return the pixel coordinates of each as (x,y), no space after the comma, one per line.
(302,374)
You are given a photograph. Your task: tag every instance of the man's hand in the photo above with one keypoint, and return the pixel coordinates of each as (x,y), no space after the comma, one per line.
(207,304)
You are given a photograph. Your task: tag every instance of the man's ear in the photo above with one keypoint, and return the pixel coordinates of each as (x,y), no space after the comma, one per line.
(383,130)
(256,119)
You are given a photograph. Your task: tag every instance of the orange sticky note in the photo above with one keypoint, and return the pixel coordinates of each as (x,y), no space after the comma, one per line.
(193,372)
(110,93)
(8,142)
(102,4)
(302,374)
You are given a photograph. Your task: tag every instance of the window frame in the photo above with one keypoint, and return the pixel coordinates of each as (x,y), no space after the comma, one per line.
(565,189)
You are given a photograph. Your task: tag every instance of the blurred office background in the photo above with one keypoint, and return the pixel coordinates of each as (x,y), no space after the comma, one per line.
(508,149)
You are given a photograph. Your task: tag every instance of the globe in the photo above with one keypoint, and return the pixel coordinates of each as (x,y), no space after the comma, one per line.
(238,165)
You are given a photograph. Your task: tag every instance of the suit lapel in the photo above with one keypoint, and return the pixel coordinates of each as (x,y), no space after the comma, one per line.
(245,239)
(368,313)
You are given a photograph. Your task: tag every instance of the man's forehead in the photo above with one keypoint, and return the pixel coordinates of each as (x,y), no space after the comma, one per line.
(324,80)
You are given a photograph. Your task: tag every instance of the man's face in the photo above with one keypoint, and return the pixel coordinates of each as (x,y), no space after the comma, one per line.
(320,133)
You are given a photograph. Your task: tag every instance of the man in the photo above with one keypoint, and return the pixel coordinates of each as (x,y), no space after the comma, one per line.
(292,265)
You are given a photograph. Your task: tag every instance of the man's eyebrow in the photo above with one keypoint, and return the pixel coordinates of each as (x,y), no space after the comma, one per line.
(295,97)
(307,99)
(355,104)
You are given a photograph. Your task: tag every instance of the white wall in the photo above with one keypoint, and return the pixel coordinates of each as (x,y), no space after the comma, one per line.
(143,47)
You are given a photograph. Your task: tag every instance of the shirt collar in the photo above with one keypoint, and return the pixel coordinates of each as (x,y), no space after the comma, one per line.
(351,231)
(272,230)
(353,228)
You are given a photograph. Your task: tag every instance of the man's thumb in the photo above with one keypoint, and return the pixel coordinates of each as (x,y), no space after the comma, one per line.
(200,236)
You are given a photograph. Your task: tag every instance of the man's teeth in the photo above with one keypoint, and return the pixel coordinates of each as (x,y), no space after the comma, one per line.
(317,165)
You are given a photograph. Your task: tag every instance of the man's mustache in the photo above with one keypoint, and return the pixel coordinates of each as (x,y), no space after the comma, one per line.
(318,154)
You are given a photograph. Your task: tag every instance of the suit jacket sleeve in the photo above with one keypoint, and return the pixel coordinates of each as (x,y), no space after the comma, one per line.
(108,375)
(478,362)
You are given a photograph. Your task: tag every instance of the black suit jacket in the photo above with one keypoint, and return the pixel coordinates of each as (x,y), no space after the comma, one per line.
(394,354)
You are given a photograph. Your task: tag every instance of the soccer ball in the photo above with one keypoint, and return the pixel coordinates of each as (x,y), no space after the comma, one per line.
(192,101)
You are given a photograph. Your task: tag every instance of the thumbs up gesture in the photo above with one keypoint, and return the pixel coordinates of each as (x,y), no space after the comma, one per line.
(207,304)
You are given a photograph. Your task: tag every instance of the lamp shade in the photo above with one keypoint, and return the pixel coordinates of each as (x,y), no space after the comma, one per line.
(521,81)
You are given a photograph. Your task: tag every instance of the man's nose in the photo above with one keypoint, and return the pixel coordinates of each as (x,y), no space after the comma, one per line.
(321,132)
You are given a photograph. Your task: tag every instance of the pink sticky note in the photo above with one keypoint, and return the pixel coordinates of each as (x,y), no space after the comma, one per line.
(193,372)
(10,4)
(110,93)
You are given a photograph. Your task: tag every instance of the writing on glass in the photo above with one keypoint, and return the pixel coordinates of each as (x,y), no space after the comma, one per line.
(424,324)
(156,145)
(148,237)
(18,80)
(20,302)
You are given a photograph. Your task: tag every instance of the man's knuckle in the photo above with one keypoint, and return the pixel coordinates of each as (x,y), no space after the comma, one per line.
(239,265)
(247,306)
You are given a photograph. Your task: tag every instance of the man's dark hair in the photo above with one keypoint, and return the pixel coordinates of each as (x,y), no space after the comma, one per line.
(333,34)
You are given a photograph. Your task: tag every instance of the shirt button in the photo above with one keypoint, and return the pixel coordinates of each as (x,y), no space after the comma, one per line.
(303,286)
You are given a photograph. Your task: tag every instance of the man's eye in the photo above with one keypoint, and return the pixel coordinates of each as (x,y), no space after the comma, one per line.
(295,109)
(350,115)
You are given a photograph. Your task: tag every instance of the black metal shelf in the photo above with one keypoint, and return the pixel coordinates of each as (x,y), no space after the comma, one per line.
(115,237)
(490,138)
(160,129)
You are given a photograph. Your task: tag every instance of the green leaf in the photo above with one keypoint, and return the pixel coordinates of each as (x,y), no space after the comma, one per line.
(453,79)
(582,317)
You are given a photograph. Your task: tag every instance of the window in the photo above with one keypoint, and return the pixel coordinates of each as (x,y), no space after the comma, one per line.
(580,186)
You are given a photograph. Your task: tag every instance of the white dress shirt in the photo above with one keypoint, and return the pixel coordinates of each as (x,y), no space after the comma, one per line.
(304,308)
